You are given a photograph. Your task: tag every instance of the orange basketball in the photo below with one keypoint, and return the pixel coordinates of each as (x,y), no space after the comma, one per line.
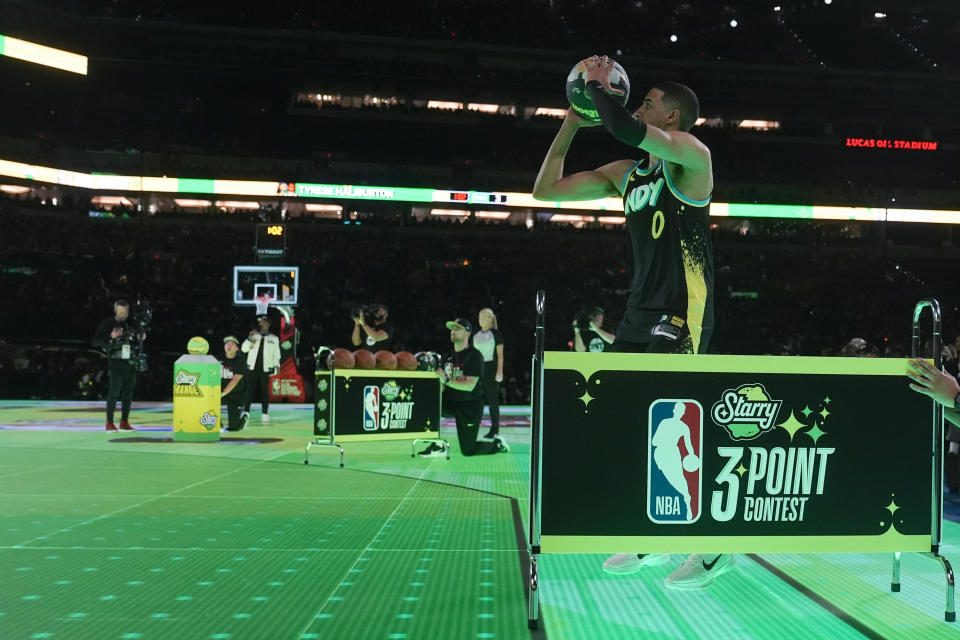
(363,359)
(386,360)
(340,359)
(406,361)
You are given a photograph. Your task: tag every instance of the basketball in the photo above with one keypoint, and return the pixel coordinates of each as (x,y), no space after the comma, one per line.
(363,359)
(691,463)
(427,361)
(386,360)
(198,346)
(406,361)
(340,359)
(577,94)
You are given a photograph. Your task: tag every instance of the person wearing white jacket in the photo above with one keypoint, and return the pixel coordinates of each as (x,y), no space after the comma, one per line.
(263,360)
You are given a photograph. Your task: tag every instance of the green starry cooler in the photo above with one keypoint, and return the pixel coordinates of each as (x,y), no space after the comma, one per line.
(196,399)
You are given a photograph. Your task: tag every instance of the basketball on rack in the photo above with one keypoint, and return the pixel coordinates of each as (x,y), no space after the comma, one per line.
(406,361)
(577,94)
(363,359)
(386,360)
(340,359)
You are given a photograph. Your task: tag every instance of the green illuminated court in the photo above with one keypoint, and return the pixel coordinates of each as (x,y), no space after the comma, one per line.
(129,535)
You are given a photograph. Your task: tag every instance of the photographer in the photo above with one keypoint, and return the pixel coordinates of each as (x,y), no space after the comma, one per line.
(588,334)
(118,339)
(370,327)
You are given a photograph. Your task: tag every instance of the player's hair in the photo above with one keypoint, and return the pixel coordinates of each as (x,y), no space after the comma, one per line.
(121,303)
(493,316)
(680,96)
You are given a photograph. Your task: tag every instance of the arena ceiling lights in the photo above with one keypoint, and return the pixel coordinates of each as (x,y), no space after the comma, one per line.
(42,54)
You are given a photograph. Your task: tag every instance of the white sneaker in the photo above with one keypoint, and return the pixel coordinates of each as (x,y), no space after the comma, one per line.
(699,571)
(265,418)
(624,563)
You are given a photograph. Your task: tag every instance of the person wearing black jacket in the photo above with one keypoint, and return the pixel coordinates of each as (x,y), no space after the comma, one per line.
(115,337)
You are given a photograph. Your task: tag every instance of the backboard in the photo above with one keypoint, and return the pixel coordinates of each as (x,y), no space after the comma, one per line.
(280,283)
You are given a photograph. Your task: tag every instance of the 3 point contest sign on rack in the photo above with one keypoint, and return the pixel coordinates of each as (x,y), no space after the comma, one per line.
(733,454)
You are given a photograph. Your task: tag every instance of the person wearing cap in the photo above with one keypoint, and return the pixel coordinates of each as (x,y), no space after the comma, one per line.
(462,395)
(232,372)
(263,360)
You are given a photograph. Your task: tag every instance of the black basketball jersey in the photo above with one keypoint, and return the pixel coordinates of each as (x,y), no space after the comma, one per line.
(671,257)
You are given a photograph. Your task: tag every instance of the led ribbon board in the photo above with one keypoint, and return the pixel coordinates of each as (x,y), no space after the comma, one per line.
(509,199)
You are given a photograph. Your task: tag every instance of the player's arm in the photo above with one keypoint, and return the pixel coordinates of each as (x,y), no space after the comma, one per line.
(230,385)
(551,184)
(678,147)
(939,385)
(578,344)
(378,335)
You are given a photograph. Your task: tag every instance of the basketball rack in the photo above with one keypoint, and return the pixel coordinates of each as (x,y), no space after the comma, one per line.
(329,441)
(936,511)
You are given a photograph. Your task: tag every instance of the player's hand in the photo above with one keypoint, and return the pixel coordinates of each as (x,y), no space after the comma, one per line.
(599,69)
(939,385)
(576,120)
(253,335)
(116,333)
(499,376)
(442,375)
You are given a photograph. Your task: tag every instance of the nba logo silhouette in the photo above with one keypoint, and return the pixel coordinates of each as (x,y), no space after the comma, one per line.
(371,408)
(675,432)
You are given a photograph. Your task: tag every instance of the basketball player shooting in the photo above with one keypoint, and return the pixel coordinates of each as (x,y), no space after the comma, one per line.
(666,201)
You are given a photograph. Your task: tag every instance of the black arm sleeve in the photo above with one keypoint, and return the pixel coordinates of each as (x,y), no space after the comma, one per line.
(616,119)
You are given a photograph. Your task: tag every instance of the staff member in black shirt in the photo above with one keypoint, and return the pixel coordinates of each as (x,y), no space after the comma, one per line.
(115,338)
(462,395)
(489,342)
(233,369)
(588,333)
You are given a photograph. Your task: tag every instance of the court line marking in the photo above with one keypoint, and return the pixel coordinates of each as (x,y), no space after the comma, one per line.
(363,551)
(140,504)
(320,549)
(817,598)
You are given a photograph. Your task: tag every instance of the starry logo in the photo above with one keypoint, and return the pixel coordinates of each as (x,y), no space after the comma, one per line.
(186,384)
(208,420)
(746,412)
(390,391)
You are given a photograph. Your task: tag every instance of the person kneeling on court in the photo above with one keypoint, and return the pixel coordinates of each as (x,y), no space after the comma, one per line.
(233,368)
(462,395)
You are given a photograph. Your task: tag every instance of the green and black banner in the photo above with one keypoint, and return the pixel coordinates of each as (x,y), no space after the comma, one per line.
(653,453)
(377,403)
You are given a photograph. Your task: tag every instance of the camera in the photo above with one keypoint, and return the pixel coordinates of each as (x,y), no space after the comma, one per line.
(369,311)
(141,317)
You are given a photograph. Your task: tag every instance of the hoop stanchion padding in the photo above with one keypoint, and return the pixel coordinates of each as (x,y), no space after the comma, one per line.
(792,454)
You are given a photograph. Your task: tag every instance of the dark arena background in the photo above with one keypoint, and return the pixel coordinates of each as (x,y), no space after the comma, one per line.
(387,152)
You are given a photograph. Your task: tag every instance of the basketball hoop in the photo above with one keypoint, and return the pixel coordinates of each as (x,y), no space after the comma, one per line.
(263,303)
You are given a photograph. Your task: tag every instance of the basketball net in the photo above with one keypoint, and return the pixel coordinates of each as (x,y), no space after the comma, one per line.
(263,303)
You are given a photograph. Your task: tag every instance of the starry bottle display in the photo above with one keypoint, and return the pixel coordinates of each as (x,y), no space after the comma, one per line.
(196,398)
